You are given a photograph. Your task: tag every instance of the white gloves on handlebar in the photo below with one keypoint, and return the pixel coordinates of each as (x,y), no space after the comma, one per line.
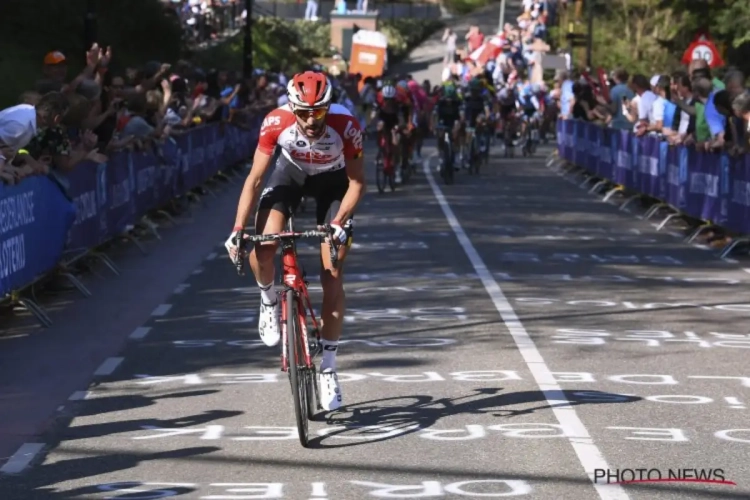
(339,233)
(231,247)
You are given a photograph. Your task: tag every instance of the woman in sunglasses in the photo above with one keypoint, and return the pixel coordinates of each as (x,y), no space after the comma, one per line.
(321,159)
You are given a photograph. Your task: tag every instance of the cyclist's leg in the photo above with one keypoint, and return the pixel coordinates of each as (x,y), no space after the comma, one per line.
(329,189)
(280,198)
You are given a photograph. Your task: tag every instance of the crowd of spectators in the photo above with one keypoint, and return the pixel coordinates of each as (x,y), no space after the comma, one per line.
(60,122)
(514,49)
(691,106)
(205,20)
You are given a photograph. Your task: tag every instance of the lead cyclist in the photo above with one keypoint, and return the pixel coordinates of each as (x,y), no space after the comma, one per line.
(321,157)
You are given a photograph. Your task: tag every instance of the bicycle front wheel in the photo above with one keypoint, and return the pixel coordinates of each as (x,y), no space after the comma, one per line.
(298,376)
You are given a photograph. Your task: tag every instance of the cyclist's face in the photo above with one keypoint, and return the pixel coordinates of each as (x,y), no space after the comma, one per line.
(311,121)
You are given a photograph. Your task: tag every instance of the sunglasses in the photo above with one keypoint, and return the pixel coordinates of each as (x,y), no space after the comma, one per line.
(316,114)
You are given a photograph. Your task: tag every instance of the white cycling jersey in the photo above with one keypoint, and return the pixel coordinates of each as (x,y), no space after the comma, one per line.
(341,141)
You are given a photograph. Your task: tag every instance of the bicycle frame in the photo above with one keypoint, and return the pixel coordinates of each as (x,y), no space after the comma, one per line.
(294,279)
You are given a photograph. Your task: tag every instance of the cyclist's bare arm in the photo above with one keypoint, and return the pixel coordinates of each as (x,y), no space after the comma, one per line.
(355,170)
(251,189)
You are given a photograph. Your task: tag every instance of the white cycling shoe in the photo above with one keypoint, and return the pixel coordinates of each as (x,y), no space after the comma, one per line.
(268,324)
(330,390)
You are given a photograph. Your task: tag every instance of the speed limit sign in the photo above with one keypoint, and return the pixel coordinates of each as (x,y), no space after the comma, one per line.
(703,52)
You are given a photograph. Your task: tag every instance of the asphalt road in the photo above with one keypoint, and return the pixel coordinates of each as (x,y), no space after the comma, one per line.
(506,335)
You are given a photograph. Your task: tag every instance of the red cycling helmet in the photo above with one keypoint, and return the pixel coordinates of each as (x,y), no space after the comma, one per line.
(309,90)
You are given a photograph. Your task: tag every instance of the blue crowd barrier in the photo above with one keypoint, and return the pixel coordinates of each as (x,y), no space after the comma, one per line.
(713,187)
(39,223)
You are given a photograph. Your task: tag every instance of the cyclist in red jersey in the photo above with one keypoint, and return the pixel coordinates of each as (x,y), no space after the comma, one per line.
(321,158)
(392,110)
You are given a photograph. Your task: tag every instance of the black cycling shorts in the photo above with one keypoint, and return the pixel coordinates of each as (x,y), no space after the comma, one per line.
(288,184)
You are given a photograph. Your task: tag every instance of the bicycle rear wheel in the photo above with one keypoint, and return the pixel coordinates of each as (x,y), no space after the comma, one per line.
(298,375)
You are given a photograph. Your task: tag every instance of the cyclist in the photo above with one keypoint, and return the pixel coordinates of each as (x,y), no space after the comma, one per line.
(476,108)
(447,114)
(321,157)
(408,131)
(390,109)
(529,104)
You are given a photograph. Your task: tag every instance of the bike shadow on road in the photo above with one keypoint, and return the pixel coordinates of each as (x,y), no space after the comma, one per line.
(394,417)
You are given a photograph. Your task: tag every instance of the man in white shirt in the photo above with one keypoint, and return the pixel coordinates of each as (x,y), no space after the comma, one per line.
(641,87)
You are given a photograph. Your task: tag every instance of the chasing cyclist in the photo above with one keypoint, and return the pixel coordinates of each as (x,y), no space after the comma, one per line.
(391,110)
(477,107)
(321,158)
(447,115)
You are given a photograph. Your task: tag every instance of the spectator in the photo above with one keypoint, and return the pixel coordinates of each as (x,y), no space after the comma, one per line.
(619,94)
(646,98)
(566,94)
(449,38)
(741,108)
(663,109)
(701,92)
(682,97)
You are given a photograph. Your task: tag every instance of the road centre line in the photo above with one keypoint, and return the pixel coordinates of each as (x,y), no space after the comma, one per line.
(140,333)
(108,366)
(161,310)
(588,453)
(22,458)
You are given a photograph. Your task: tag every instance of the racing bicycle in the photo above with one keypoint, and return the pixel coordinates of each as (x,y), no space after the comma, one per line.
(299,347)
(446,171)
(385,152)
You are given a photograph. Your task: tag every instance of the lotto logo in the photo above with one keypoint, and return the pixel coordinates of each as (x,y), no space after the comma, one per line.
(354,134)
(271,121)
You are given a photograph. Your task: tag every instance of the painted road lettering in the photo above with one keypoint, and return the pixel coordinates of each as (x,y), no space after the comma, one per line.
(651,338)
(575,258)
(600,303)
(478,488)
(469,432)
(639,379)
(396,342)
(435,313)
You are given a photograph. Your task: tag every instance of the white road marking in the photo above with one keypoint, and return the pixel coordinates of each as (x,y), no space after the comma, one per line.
(161,310)
(79,396)
(198,270)
(588,453)
(109,366)
(22,458)
(140,332)
(181,288)
(211,256)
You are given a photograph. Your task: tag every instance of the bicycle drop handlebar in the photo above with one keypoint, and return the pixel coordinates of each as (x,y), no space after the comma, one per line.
(242,241)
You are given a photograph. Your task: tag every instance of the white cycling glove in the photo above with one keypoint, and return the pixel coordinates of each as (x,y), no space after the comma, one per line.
(339,233)
(231,247)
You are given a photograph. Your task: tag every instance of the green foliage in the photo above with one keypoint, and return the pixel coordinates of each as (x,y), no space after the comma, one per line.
(650,36)
(404,34)
(34,27)
(460,7)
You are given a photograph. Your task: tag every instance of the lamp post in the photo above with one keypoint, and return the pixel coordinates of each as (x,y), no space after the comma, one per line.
(247,66)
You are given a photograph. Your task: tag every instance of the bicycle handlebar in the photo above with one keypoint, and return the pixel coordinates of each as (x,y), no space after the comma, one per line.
(241,241)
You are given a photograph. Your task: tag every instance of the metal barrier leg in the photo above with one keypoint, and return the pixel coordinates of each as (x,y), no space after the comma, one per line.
(191,196)
(654,210)
(77,283)
(586,181)
(104,259)
(224,177)
(598,185)
(209,191)
(667,219)
(611,193)
(151,227)
(35,310)
(167,216)
(134,240)
(698,232)
(629,201)
(729,248)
